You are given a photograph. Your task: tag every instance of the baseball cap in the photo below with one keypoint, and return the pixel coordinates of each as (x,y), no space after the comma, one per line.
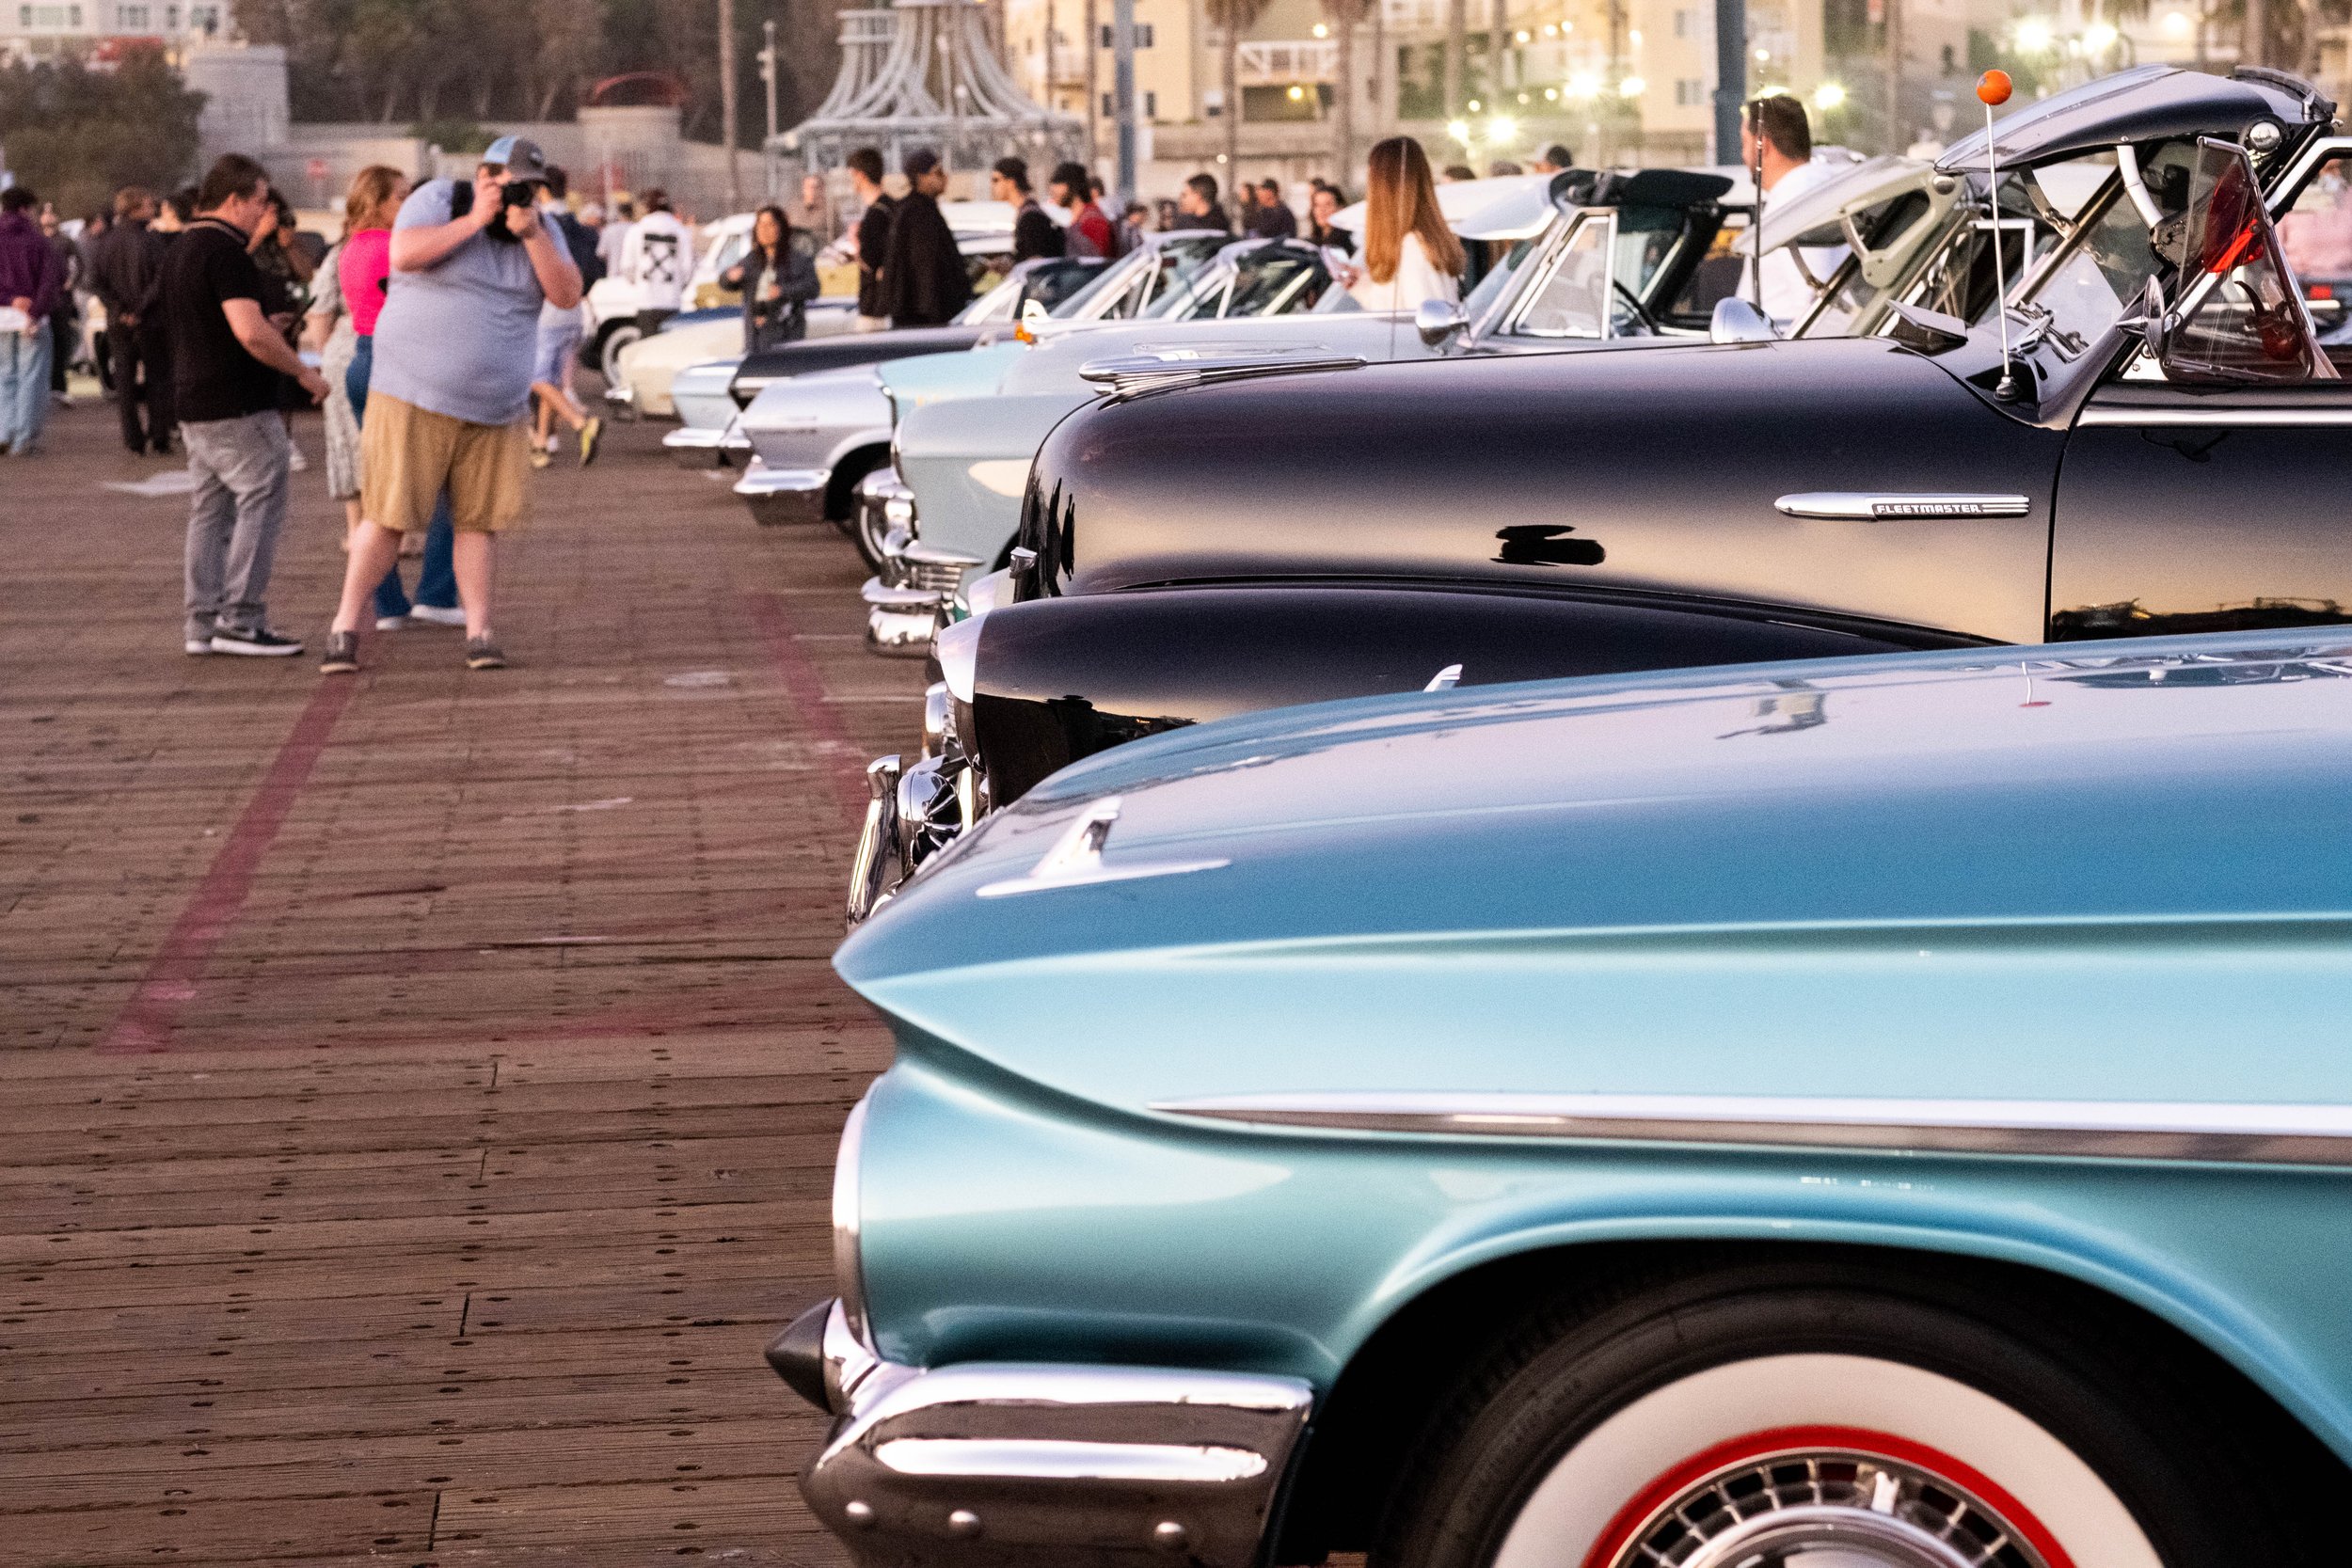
(520,157)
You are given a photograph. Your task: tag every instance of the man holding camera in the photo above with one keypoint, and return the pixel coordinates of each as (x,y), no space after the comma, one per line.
(472,265)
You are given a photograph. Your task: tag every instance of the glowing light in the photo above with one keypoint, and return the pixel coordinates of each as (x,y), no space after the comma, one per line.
(1220,157)
(2033,35)
(2100,37)
(1322,30)
(1634,37)
(1297,94)
(1583,85)
(1502,129)
(1524,36)
(1552,95)
(1763,54)
(1523,98)
(2177,24)
(1475,105)
(1828,96)
(1633,87)
(1551,30)
(1459,130)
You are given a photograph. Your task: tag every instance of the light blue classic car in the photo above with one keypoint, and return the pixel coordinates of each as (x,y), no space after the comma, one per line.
(1870,1114)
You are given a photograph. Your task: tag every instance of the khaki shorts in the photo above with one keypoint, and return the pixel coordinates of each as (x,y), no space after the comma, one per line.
(407,454)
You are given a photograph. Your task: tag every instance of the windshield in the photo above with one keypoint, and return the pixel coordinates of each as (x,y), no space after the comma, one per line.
(2108,259)
(1569,301)
(995,305)
(1481,298)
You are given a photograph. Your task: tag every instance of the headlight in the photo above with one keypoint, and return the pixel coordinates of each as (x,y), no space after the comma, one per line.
(849,1268)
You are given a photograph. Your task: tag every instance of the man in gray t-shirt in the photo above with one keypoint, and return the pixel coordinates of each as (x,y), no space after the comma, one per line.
(471,267)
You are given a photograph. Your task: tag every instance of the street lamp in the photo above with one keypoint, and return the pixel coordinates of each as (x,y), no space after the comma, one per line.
(1459,130)
(1828,97)
(1502,129)
(2033,35)
(1633,87)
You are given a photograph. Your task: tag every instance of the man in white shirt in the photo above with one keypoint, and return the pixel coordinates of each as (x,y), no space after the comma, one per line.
(1787,171)
(657,256)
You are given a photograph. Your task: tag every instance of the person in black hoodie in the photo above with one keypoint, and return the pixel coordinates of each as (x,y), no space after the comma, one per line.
(872,236)
(1033,232)
(923,277)
(126,273)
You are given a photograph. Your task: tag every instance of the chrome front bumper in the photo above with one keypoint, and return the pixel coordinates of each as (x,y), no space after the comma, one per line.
(784,495)
(913,592)
(911,813)
(708,447)
(1029,1463)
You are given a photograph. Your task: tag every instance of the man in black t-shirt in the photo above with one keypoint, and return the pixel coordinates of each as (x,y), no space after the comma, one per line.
(922,275)
(873,237)
(227,356)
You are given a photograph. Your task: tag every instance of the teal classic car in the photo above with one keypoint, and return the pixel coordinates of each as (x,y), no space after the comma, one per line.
(1887,1113)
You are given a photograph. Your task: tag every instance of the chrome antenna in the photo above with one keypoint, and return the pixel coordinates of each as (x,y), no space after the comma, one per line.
(1993,88)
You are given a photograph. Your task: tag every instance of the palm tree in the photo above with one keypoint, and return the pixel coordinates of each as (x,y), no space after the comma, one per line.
(1234,17)
(1344,15)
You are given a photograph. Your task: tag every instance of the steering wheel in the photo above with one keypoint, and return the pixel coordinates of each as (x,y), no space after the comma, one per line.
(1641,313)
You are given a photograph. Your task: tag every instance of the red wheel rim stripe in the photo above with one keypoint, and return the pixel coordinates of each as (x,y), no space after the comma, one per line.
(1860,1440)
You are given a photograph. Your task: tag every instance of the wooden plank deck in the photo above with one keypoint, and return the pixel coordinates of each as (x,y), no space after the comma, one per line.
(421,1089)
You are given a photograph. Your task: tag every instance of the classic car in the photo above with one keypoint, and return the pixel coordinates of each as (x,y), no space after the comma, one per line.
(709,394)
(1608,260)
(643,370)
(816,436)
(2155,451)
(1879,1113)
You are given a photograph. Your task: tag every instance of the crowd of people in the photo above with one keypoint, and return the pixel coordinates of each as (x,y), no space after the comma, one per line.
(443,327)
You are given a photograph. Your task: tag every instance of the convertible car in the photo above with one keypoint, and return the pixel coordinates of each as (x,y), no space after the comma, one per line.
(815,436)
(1610,261)
(2155,452)
(1859,1114)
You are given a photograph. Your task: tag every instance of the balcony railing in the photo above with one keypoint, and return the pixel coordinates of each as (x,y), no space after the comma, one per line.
(1280,62)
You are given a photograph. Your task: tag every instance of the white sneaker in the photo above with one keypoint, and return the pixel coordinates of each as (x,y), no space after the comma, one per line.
(296,461)
(438,615)
(390,623)
(198,645)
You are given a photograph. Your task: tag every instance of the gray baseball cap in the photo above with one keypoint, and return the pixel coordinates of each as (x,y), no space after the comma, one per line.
(520,157)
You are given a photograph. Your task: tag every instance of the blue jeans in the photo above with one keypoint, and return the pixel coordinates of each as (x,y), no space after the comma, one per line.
(24,388)
(437,581)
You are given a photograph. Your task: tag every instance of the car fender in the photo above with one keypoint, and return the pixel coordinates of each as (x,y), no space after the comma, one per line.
(1060,680)
(967,462)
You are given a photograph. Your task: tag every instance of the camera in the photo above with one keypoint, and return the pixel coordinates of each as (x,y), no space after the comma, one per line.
(516,193)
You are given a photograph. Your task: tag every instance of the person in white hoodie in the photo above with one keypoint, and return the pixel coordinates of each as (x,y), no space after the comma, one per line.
(658,258)
(1410,254)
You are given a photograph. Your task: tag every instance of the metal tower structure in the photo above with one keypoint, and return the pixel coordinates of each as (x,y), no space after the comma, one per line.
(924,73)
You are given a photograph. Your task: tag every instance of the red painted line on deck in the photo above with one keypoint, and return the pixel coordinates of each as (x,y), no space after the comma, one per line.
(845,764)
(147,1019)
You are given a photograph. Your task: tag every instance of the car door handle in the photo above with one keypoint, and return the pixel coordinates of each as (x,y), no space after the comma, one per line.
(1863,506)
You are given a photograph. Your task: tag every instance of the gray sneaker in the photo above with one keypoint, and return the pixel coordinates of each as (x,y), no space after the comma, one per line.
(482,654)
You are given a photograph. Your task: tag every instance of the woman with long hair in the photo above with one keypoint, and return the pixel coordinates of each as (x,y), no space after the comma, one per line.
(364,272)
(1410,254)
(777,278)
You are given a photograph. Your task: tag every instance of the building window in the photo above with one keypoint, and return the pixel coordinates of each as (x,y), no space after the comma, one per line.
(1109,107)
(1947,60)
(132,19)
(1682,22)
(1150,105)
(1143,36)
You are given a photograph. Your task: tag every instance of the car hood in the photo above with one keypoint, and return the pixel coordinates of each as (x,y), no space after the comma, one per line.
(1561,880)
(804,402)
(943,378)
(1054,365)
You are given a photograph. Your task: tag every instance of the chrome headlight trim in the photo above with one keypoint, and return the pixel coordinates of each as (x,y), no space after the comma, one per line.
(848,1262)
(958,650)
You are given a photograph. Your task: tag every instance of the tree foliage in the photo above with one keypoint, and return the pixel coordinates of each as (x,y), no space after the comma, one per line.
(398,61)
(77,135)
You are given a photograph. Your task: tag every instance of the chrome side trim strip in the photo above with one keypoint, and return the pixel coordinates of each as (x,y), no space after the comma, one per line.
(2112,1129)
(2143,416)
(1855,506)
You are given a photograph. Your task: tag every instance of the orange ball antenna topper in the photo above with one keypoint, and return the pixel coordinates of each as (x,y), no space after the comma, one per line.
(1994,89)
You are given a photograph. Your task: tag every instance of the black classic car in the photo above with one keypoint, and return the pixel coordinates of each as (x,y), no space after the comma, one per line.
(2142,442)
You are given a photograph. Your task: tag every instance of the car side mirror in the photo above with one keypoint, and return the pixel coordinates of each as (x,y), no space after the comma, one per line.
(1737,321)
(1439,319)
(2155,322)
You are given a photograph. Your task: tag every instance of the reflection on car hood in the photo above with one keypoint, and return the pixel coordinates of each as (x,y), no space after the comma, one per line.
(2084,780)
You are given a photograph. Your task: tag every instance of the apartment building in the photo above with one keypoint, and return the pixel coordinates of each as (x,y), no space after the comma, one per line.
(58,29)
